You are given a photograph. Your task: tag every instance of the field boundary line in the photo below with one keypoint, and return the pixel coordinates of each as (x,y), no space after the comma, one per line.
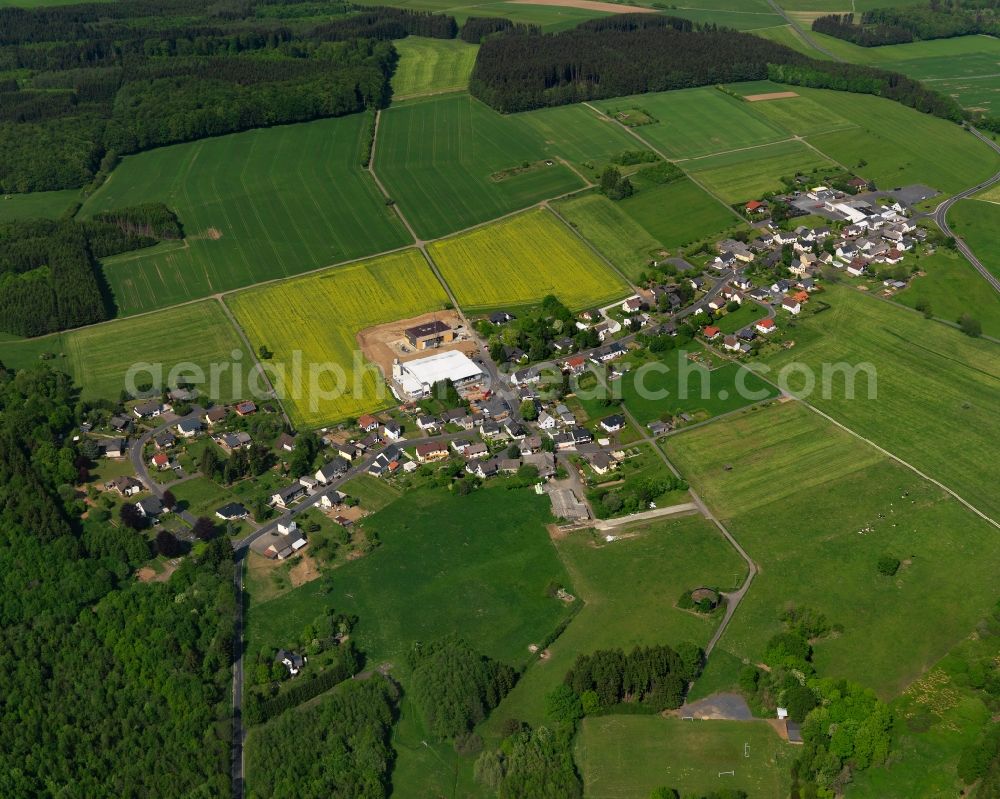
(246,341)
(663,155)
(734,150)
(371,171)
(586,242)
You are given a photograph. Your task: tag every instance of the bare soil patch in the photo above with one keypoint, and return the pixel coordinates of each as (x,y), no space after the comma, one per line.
(382,344)
(304,571)
(148,574)
(756,98)
(214,233)
(589,5)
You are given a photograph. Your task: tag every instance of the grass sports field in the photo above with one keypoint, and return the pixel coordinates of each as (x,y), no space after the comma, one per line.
(695,122)
(40,203)
(952,287)
(978,222)
(255,206)
(628,757)
(679,213)
(629,588)
(816,508)
(99,357)
(932,380)
(518,261)
(451,162)
(432,65)
(744,174)
(318,316)
(603,223)
(479,564)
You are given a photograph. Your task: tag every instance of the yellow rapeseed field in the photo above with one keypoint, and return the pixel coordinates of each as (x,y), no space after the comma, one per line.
(519,261)
(309,324)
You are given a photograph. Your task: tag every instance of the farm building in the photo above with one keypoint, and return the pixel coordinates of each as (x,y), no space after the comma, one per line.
(414,379)
(429,335)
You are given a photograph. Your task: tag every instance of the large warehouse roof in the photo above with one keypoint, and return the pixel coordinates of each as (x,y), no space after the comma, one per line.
(451,365)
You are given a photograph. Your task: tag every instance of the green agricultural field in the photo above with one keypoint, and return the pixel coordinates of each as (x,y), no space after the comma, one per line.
(49,204)
(477,564)
(695,122)
(675,384)
(452,162)
(802,115)
(518,261)
(432,65)
(951,287)
(580,135)
(99,357)
(786,35)
(900,145)
(318,316)
(628,757)
(750,21)
(603,223)
(549,18)
(678,214)
(817,508)
(932,380)
(630,588)
(255,206)
(978,222)
(745,174)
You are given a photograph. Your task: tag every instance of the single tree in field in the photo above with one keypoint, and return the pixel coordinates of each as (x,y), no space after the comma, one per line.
(970,326)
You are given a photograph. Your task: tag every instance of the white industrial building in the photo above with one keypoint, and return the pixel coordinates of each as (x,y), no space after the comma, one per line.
(413,379)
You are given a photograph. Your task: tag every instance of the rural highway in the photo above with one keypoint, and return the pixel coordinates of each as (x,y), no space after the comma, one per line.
(940,216)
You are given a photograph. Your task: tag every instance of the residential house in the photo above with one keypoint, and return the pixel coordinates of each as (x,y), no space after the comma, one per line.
(545,462)
(501,317)
(119,423)
(393,430)
(600,461)
(150,408)
(475,451)
(711,332)
(160,461)
(857,267)
(546,421)
(581,435)
(289,541)
(113,447)
(230,442)
(126,486)
(368,423)
(613,423)
(164,440)
(632,305)
(285,442)
(291,661)
(576,364)
(483,468)
(245,408)
(431,451)
(330,471)
(188,428)
(765,326)
(215,415)
(232,512)
(287,495)
(731,343)
(791,305)
(427,423)
(460,445)
(531,444)
(150,507)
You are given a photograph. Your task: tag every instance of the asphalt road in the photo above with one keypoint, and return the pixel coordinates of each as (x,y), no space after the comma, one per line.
(940,217)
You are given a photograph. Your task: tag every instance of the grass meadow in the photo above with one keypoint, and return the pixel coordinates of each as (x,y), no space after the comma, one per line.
(49,204)
(694,122)
(901,146)
(628,757)
(580,135)
(952,287)
(678,214)
(255,206)
(629,588)
(618,237)
(931,382)
(432,65)
(478,564)
(518,261)
(549,18)
(452,162)
(978,222)
(744,174)
(98,357)
(318,315)
(816,508)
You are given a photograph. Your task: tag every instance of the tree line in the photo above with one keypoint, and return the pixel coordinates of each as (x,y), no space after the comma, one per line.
(49,276)
(116,687)
(894,25)
(634,54)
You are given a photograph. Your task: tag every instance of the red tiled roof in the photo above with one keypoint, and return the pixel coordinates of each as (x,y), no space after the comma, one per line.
(765,323)
(711,330)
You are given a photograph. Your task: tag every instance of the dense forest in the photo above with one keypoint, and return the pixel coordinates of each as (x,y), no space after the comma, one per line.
(49,276)
(635,53)
(95,81)
(455,687)
(114,687)
(338,747)
(908,24)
